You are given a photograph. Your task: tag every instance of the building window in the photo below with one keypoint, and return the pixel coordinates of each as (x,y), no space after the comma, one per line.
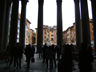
(45,32)
(52,35)
(48,35)
(45,37)
(52,39)
(28,34)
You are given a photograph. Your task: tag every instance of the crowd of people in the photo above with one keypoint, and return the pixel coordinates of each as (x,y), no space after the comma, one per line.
(15,54)
(52,55)
(85,58)
(49,55)
(29,53)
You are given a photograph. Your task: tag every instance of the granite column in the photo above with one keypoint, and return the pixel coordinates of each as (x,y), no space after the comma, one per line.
(23,23)
(14,23)
(77,23)
(59,24)
(40,26)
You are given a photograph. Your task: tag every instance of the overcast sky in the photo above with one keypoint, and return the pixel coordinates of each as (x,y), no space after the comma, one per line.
(50,13)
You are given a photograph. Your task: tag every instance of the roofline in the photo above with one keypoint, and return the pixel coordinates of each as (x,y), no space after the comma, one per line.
(28,21)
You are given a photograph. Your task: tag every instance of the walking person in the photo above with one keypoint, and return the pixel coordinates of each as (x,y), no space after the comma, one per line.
(20,54)
(28,54)
(44,52)
(33,52)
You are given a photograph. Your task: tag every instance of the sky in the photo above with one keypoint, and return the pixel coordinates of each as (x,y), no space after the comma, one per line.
(50,13)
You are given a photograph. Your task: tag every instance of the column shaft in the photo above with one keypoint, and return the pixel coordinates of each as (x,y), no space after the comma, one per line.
(2,6)
(40,26)
(6,24)
(85,22)
(59,24)
(85,52)
(77,22)
(23,23)
(93,2)
(14,22)
(1,20)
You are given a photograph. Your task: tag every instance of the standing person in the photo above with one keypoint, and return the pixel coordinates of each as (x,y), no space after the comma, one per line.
(28,53)
(20,54)
(58,51)
(52,56)
(86,58)
(10,50)
(18,51)
(33,52)
(65,64)
(47,55)
(44,52)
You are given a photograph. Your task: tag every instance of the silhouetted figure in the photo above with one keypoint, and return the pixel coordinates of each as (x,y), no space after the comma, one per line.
(28,54)
(33,51)
(58,51)
(20,54)
(86,58)
(44,52)
(52,56)
(47,55)
(11,53)
(17,55)
(40,51)
(65,64)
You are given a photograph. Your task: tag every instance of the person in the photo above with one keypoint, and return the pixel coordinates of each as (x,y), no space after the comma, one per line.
(44,52)
(52,54)
(20,54)
(28,54)
(58,51)
(65,63)
(86,58)
(33,52)
(11,53)
(17,56)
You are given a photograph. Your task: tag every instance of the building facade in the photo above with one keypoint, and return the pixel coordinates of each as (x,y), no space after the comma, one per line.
(69,35)
(49,35)
(91,31)
(28,32)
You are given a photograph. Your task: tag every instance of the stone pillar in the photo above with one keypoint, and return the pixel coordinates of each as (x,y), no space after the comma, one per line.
(23,23)
(40,25)
(2,8)
(85,22)
(59,24)
(77,22)
(85,51)
(4,28)
(14,22)
(93,2)
(6,25)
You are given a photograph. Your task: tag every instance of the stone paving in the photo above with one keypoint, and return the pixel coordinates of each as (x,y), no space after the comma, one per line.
(38,66)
